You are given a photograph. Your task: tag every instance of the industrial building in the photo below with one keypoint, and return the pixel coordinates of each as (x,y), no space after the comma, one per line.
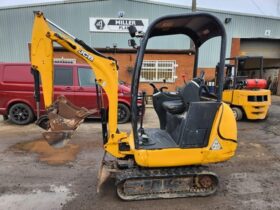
(103,25)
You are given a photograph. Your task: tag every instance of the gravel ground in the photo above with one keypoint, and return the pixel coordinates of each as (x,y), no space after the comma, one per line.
(36,178)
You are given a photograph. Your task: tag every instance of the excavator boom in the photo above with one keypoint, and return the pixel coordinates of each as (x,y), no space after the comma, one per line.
(42,56)
(105,70)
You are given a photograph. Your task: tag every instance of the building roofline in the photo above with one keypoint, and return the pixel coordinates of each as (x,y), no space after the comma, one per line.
(46,4)
(238,13)
(147,2)
(208,9)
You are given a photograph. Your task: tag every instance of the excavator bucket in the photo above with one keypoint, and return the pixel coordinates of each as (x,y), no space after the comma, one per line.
(63,119)
(57,139)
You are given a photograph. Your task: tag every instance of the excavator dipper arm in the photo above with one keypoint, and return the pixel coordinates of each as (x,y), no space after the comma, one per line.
(104,68)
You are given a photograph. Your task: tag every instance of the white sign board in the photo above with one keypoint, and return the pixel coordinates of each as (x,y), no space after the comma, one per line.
(116,24)
(267,32)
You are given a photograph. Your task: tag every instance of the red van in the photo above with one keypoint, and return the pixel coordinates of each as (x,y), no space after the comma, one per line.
(74,81)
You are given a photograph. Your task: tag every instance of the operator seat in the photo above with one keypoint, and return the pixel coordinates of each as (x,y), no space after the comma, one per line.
(177,110)
(190,93)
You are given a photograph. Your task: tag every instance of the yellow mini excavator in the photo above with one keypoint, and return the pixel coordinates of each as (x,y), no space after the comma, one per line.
(150,163)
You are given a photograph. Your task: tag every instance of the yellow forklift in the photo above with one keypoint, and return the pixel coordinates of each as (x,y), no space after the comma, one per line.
(148,163)
(245,90)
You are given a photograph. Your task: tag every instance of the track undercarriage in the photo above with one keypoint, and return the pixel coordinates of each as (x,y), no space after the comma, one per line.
(143,184)
(137,183)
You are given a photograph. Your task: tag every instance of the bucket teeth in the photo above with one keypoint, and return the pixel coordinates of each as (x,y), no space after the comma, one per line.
(57,138)
(62,120)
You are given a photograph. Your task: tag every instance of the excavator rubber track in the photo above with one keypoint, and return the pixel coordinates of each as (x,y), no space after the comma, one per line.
(145,184)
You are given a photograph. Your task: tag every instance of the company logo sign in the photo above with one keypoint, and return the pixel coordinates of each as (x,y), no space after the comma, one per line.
(86,55)
(116,24)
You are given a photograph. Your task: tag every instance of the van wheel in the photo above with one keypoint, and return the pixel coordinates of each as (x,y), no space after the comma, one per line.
(237,113)
(21,114)
(123,113)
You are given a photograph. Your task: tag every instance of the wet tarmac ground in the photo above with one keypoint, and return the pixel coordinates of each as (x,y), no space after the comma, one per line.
(36,176)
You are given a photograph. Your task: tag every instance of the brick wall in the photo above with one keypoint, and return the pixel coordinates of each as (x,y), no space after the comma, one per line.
(235,47)
(127,60)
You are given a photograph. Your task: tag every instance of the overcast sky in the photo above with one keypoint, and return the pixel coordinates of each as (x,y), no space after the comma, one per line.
(6,3)
(260,7)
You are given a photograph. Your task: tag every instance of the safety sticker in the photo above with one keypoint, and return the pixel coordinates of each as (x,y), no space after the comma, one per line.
(216,145)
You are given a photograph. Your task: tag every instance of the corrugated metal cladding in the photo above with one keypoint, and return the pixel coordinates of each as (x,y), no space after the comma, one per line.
(16,26)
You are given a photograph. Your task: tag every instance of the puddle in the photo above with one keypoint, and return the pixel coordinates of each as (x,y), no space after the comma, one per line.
(37,199)
(49,154)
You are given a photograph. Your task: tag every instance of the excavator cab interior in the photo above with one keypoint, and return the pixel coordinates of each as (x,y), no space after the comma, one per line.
(186,117)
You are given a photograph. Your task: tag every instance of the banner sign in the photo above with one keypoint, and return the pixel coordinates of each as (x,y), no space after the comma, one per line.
(116,24)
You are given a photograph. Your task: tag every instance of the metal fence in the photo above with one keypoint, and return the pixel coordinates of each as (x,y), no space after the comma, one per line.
(158,71)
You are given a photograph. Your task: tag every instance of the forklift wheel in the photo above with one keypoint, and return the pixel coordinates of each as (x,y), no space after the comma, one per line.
(267,115)
(237,113)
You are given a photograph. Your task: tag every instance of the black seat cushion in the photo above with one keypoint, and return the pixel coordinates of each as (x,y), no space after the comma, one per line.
(190,93)
(174,107)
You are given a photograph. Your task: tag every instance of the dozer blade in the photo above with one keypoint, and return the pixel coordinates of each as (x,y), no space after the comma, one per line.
(103,174)
(145,184)
(107,169)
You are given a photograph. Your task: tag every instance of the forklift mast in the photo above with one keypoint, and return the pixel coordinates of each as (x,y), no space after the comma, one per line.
(236,70)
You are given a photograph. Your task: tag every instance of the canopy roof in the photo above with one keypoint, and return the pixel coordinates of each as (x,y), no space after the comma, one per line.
(200,27)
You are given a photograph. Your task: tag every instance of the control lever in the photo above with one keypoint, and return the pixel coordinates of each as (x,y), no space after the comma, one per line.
(155,88)
(163,88)
(202,75)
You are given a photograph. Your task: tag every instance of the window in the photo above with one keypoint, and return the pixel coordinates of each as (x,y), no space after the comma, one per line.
(86,77)
(17,74)
(63,76)
(158,71)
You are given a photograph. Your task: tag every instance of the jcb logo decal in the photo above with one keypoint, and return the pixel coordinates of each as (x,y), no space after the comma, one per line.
(86,55)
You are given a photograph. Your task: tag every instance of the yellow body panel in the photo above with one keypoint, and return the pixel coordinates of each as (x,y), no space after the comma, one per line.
(253,109)
(224,130)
